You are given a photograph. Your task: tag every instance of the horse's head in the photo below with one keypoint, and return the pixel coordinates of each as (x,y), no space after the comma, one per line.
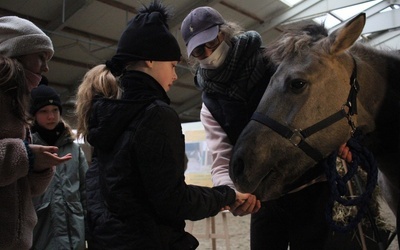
(310,84)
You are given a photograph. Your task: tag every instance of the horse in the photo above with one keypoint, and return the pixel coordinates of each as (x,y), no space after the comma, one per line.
(325,87)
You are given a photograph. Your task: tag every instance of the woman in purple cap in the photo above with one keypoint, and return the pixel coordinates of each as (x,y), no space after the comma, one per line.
(233,74)
(209,39)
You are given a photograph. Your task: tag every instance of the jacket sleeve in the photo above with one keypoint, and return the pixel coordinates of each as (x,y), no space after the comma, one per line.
(40,181)
(220,148)
(14,162)
(160,149)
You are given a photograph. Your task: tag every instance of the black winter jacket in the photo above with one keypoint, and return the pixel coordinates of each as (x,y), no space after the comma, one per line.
(137,195)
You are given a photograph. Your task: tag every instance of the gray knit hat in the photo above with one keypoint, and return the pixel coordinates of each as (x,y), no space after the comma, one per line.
(19,37)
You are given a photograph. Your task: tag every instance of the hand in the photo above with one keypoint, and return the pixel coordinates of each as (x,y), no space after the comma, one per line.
(46,157)
(344,153)
(245,204)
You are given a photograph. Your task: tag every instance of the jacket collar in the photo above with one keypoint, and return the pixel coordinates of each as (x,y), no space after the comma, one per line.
(138,85)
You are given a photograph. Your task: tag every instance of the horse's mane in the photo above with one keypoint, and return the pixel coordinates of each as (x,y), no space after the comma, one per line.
(300,38)
(294,40)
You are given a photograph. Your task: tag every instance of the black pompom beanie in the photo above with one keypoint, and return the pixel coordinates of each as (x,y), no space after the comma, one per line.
(147,37)
(42,96)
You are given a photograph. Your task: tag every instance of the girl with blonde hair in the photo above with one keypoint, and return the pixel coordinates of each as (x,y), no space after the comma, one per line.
(137,195)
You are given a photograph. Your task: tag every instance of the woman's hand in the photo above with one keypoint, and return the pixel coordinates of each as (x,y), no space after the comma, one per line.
(344,153)
(46,157)
(245,204)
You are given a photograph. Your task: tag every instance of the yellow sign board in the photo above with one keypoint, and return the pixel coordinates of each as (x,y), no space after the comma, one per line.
(198,170)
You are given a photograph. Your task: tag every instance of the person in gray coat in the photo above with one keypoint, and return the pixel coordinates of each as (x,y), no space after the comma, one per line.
(61,210)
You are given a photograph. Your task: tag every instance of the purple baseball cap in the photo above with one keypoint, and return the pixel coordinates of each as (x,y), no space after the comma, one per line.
(200,26)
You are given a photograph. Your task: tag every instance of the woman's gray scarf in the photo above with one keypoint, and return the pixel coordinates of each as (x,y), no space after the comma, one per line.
(242,70)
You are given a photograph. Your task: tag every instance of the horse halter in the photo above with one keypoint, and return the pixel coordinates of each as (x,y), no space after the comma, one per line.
(298,136)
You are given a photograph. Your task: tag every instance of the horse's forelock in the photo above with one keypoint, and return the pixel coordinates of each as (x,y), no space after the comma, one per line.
(316,31)
(294,41)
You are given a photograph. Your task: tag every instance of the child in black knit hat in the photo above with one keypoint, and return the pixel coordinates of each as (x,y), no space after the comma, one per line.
(137,195)
(67,188)
(44,95)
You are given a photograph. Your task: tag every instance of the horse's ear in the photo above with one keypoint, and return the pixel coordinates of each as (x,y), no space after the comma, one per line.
(344,37)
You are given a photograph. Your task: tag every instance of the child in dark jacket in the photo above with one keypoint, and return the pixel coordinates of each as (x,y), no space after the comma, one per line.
(137,195)
(61,209)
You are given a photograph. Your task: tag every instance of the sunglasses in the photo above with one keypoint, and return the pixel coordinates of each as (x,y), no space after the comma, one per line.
(212,45)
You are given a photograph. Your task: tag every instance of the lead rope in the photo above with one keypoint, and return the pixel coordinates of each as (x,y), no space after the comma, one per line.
(362,157)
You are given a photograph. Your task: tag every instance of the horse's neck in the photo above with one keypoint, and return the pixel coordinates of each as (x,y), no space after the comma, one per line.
(379,95)
(382,66)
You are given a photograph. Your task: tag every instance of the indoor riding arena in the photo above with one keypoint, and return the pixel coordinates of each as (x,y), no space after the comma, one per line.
(275,151)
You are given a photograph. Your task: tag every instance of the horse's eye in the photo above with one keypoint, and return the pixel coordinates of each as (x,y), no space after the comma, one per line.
(298,85)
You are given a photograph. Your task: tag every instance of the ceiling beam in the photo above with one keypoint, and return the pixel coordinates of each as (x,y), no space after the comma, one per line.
(390,39)
(325,6)
(90,36)
(242,11)
(89,66)
(43,24)
(69,9)
(284,17)
(72,62)
(37,21)
(179,16)
(382,21)
(368,12)
(120,6)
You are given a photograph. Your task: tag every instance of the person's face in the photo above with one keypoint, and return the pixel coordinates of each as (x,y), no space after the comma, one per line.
(37,62)
(205,50)
(48,117)
(164,73)
(34,65)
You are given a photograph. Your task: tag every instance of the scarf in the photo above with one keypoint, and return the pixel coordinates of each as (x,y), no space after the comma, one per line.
(243,68)
(49,136)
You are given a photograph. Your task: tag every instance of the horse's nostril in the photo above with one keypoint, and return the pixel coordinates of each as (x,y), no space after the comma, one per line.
(237,168)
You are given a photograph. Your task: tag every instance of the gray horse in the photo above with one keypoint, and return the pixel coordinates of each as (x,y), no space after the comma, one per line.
(316,76)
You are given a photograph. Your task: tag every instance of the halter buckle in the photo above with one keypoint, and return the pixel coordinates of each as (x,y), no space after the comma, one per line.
(346,108)
(296,137)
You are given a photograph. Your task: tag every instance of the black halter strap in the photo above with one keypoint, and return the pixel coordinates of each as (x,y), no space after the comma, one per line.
(298,136)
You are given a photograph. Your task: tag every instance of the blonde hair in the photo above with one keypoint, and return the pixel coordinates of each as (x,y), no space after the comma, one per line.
(13,84)
(230,29)
(97,82)
(68,128)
